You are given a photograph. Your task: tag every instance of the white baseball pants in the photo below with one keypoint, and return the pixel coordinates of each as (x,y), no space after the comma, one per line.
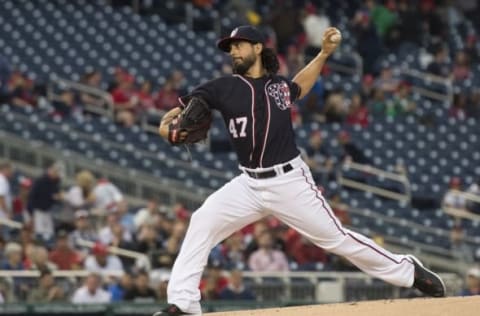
(293,198)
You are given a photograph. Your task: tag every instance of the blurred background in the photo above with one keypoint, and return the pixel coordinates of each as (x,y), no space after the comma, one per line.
(94,205)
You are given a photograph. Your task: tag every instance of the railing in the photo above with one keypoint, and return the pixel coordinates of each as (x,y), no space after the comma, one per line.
(103,104)
(367,169)
(461,212)
(429,78)
(337,66)
(142,260)
(324,286)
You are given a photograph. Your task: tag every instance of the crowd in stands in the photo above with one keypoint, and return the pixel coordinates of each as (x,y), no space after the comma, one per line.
(56,218)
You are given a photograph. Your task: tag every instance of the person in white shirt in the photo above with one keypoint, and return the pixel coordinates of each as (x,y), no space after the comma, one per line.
(315,23)
(91,292)
(451,198)
(81,194)
(6,171)
(102,263)
(146,214)
(106,233)
(106,195)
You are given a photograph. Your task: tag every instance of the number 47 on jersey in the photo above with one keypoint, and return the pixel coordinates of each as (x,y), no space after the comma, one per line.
(237,126)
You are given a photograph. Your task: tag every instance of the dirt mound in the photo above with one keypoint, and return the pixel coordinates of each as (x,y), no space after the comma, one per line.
(450,306)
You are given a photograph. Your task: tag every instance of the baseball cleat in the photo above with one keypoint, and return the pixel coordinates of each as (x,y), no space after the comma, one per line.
(427,281)
(170,310)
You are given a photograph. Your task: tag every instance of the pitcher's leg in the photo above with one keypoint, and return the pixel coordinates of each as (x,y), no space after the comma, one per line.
(227,210)
(302,207)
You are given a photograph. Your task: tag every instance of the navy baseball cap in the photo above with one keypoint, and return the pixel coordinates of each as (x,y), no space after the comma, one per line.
(242,33)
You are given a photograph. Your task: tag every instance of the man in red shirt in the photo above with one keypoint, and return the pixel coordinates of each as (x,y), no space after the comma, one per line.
(62,255)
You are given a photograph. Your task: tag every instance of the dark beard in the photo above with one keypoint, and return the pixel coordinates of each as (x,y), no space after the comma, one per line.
(242,68)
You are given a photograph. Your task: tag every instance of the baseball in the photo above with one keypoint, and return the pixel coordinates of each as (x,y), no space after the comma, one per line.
(336,38)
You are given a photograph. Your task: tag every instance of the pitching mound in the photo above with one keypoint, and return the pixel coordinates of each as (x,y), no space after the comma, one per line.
(451,306)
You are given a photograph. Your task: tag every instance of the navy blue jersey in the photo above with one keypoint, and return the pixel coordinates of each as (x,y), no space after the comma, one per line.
(257,115)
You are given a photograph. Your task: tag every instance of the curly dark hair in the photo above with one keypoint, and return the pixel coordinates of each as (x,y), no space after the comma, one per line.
(270,60)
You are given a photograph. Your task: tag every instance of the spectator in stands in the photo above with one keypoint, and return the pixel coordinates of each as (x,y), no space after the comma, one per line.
(91,292)
(451,198)
(314,22)
(144,94)
(383,16)
(167,97)
(145,215)
(6,171)
(432,22)
(125,101)
(83,231)
(106,234)
(366,89)
(357,112)
(461,67)
(471,49)
(458,108)
(408,27)
(369,45)
(162,288)
(318,158)
(65,105)
(266,258)
(312,106)
(439,66)
(47,291)
(303,252)
(44,197)
(474,188)
(141,292)
(19,204)
(80,196)
(213,281)
(350,151)
(101,262)
(107,196)
(402,102)
(148,240)
(294,59)
(119,288)
(252,236)
(181,212)
(93,79)
(28,254)
(41,261)
(172,245)
(472,282)
(178,79)
(460,249)
(234,252)
(21,90)
(473,107)
(386,82)
(335,107)
(378,103)
(13,257)
(63,255)
(236,290)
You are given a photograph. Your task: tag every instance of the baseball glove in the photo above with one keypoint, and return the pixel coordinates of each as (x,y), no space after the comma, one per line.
(192,124)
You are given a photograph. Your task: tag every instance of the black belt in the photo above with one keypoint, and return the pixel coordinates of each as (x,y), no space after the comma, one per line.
(268,174)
